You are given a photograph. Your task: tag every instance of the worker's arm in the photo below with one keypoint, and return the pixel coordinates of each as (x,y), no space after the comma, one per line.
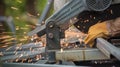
(104,29)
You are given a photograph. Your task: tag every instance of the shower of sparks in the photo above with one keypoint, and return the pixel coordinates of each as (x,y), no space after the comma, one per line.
(78,26)
(38,24)
(111,11)
(30,15)
(38,57)
(25,33)
(42,43)
(14,8)
(17,28)
(27,25)
(4,37)
(77,35)
(1,54)
(36,43)
(21,55)
(23,28)
(4,46)
(1,25)
(16,53)
(22,39)
(38,14)
(23,60)
(30,60)
(17,60)
(43,22)
(81,40)
(30,49)
(19,1)
(61,50)
(7,40)
(17,18)
(95,62)
(94,17)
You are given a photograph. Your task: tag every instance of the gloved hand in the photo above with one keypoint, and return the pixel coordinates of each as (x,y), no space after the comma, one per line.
(95,31)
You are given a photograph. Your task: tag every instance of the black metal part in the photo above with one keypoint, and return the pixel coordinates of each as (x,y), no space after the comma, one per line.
(53,36)
(53,41)
(51,57)
(98,63)
(89,18)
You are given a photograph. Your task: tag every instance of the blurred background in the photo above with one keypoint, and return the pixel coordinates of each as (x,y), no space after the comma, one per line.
(24,15)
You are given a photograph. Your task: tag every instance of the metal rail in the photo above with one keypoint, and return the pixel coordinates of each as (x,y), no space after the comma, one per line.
(22,54)
(81,55)
(18,52)
(107,48)
(66,55)
(35,65)
(22,47)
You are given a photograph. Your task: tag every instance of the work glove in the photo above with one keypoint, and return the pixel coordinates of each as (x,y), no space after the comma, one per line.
(114,27)
(96,31)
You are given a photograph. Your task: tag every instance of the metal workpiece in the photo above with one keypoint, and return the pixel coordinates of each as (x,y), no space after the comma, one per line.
(83,54)
(35,65)
(107,48)
(16,52)
(25,46)
(22,47)
(23,55)
(80,55)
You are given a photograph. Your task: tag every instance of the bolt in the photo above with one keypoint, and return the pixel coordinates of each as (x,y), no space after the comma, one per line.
(50,35)
(51,26)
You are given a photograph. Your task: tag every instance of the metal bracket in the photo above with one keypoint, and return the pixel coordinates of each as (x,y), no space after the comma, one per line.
(53,36)
(53,40)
